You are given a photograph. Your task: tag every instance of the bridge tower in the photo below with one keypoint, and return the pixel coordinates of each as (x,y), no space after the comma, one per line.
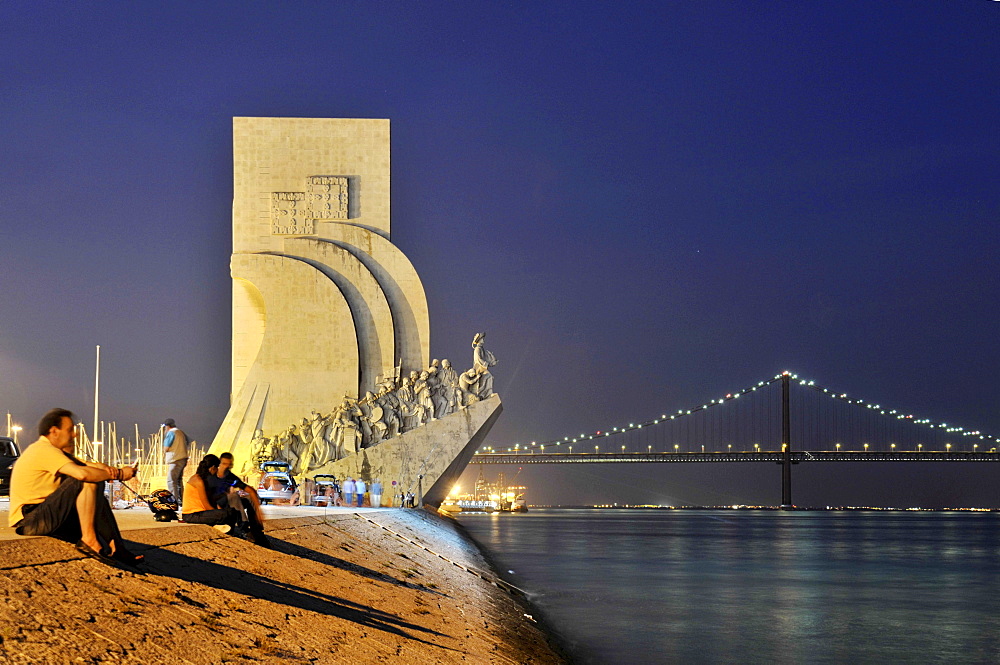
(786,445)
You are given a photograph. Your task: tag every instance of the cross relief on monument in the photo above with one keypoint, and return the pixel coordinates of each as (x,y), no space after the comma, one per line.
(294,213)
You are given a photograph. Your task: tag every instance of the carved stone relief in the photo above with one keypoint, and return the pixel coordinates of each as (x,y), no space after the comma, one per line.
(326,197)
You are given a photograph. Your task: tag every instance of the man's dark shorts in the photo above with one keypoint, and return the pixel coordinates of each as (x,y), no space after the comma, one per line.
(56,515)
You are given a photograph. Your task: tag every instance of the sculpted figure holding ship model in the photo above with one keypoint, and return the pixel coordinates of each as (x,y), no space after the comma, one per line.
(482,360)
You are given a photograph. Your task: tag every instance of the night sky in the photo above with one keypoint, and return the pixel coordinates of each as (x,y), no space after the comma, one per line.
(644,205)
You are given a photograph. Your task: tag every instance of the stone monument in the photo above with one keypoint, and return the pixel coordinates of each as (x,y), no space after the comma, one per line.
(329,317)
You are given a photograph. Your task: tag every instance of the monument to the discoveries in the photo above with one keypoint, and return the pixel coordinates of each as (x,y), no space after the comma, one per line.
(330,351)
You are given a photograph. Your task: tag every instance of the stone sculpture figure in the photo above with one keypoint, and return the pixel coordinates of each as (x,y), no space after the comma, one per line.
(296,448)
(320,446)
(317,453)
(317,424)
(305,447)
(422,393)
(259,450)
(482,360)
(449,388)
(346,428)
(371,423)
(284,449)
(468,386)
(408,410)
(436,390)
(390,413)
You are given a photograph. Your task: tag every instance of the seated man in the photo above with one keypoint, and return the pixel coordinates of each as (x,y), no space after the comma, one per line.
(52,493)
(198,507)
(227,490)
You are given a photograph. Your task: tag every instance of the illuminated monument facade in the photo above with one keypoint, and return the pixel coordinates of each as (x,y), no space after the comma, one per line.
(325,308)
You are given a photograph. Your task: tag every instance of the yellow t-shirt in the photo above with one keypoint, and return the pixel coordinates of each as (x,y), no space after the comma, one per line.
(35,476)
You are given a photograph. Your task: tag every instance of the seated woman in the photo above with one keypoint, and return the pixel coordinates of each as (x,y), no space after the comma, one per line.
(198,509)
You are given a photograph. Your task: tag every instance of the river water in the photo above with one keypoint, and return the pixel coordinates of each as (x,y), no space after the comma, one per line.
(741,586)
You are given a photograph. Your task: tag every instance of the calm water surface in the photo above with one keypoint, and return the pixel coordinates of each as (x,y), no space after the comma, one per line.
(671,586)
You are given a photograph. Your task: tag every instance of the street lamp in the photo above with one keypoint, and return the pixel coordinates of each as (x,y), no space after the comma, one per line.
(756,447)
(596,449)
(920,447)
(649,449)
(893,446)
(866,447)
(676,447)
(730,447)
(948,446)
(838,447)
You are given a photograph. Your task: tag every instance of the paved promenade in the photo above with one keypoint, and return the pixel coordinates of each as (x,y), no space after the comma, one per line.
(140,517)
(339,586)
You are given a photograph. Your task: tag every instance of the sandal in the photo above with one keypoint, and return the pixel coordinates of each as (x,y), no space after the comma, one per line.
(87,550)
(122,555)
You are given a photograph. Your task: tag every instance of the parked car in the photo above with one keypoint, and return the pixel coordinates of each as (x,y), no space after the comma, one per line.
(323,487)
(8,455)
(277,483)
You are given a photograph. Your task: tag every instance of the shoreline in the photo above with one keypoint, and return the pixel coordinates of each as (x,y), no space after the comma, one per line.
(377,585)
(559,642)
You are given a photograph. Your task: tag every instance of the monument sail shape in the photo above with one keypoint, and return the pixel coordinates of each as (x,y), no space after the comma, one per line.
(329,315)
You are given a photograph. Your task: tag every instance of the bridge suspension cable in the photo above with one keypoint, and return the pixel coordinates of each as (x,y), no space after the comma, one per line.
(817,425)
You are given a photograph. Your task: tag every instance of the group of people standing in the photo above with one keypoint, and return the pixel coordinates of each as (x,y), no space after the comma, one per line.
(352,493)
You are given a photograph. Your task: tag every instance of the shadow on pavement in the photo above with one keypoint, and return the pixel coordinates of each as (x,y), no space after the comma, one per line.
(327,560)
(178,566)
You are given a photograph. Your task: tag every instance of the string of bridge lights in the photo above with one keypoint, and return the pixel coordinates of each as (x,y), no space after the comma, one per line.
(899,415)
(599,434)
(682,413)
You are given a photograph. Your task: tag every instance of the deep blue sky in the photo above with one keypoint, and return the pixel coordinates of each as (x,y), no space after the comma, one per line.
(644,206)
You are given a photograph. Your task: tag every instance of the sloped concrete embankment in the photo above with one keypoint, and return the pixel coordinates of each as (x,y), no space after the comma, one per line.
(377,586)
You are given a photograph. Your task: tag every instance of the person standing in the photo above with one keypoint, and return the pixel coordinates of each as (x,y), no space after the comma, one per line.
(376,493)
(335,494)
(349,491)
(175,449)
(360,488)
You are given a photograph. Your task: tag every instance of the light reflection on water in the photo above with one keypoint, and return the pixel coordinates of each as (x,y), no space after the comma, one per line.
(662,586)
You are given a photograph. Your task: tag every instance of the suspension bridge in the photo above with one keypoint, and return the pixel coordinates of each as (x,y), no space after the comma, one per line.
(765,423)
